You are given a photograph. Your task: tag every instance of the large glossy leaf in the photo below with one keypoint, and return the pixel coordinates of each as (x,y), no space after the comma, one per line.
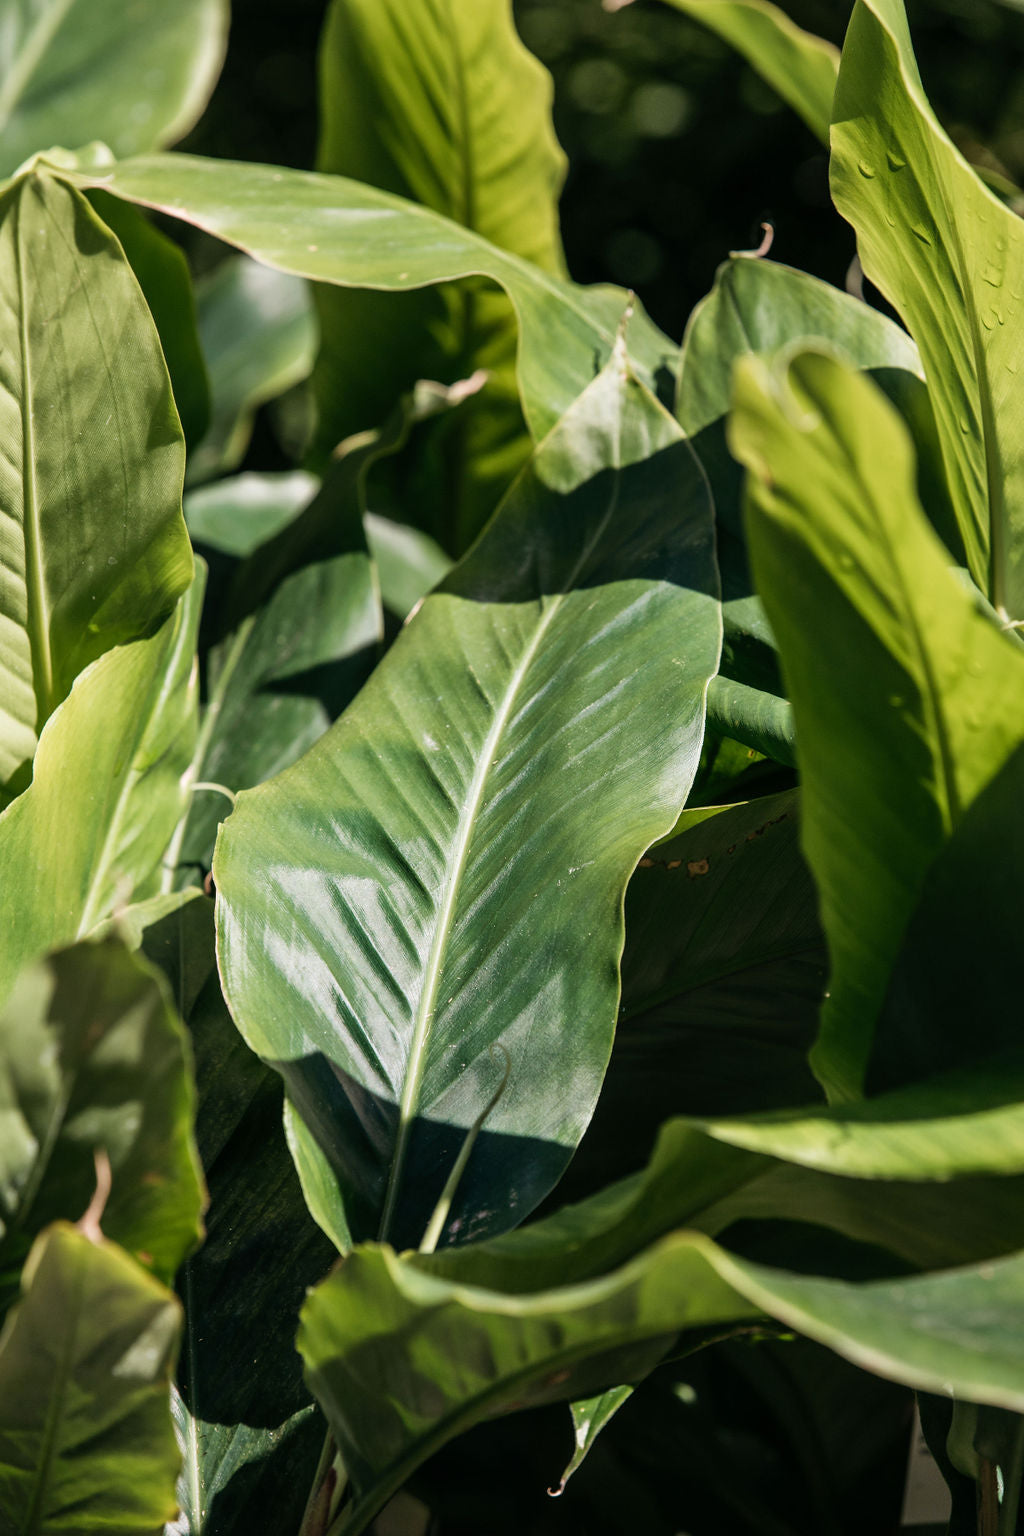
(134,73)
(86,1438)
(93,544)
(258,334)
(722,977)
(163,275)
(950,257)
(93,1057)
(337,231)
(238,514)
(71,858)
(906,696)
(439,102)
(800,66)
(443,873)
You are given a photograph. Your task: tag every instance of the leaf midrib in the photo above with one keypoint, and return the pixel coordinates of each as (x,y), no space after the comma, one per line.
(463,839)
(37,618)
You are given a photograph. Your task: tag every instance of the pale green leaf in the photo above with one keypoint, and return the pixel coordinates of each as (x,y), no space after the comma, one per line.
(126,731)
(337,231)
(135,73)
(92,545)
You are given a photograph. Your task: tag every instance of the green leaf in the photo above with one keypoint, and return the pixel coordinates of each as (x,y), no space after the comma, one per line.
(443,873)
(907,698)
(950,257)
(86,1438)
(589,1417)
(303,627)
(439,103)
(337,231)
(237,515)
(799,66)
(162,273)
(258,334)
(754,717)
(409,563)
(126,730)
(92,1057)
(90,473)
(135,75)
(758,307)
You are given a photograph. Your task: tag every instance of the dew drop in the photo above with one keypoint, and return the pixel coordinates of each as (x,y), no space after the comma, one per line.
(890,220)
(896,162)
(988,319)
(864,168)
(896,700)
(921,233)
(965,425)
(111,559)
(1011,367)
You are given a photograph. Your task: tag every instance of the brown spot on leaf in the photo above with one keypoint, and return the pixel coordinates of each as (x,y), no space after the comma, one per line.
(697,867)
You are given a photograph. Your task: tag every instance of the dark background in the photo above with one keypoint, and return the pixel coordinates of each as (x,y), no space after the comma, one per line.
(677,150)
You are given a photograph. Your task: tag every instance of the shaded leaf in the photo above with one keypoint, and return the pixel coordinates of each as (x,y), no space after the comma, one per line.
(470,824)
(238,514)
(258,335)
(90,474)
(93,1057)
(86,1438)
(907,698)
(589,1417)
(134,73)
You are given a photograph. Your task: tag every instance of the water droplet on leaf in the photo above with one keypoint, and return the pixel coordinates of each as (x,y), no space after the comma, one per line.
(864,168)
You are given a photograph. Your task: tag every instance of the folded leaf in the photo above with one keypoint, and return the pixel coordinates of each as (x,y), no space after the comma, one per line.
(950,257)
(442,874)
(907,698)
(91,537)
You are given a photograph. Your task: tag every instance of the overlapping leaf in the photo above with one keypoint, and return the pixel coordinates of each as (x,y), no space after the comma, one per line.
(907,698)
(950,257)
(438,101)
(71,857)
(337,231)
(92,1057)
(443,872)
(86,1438)
(93,546)
(135,73)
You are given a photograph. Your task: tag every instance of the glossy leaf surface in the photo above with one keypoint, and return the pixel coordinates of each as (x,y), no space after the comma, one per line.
(337,231)
(134,73)
(93,1057)
(439,102)
(126,728)
(238,514)
(800,66)
(907,698)
(92,542)
(86,1439)
(950,257)
(443,872)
